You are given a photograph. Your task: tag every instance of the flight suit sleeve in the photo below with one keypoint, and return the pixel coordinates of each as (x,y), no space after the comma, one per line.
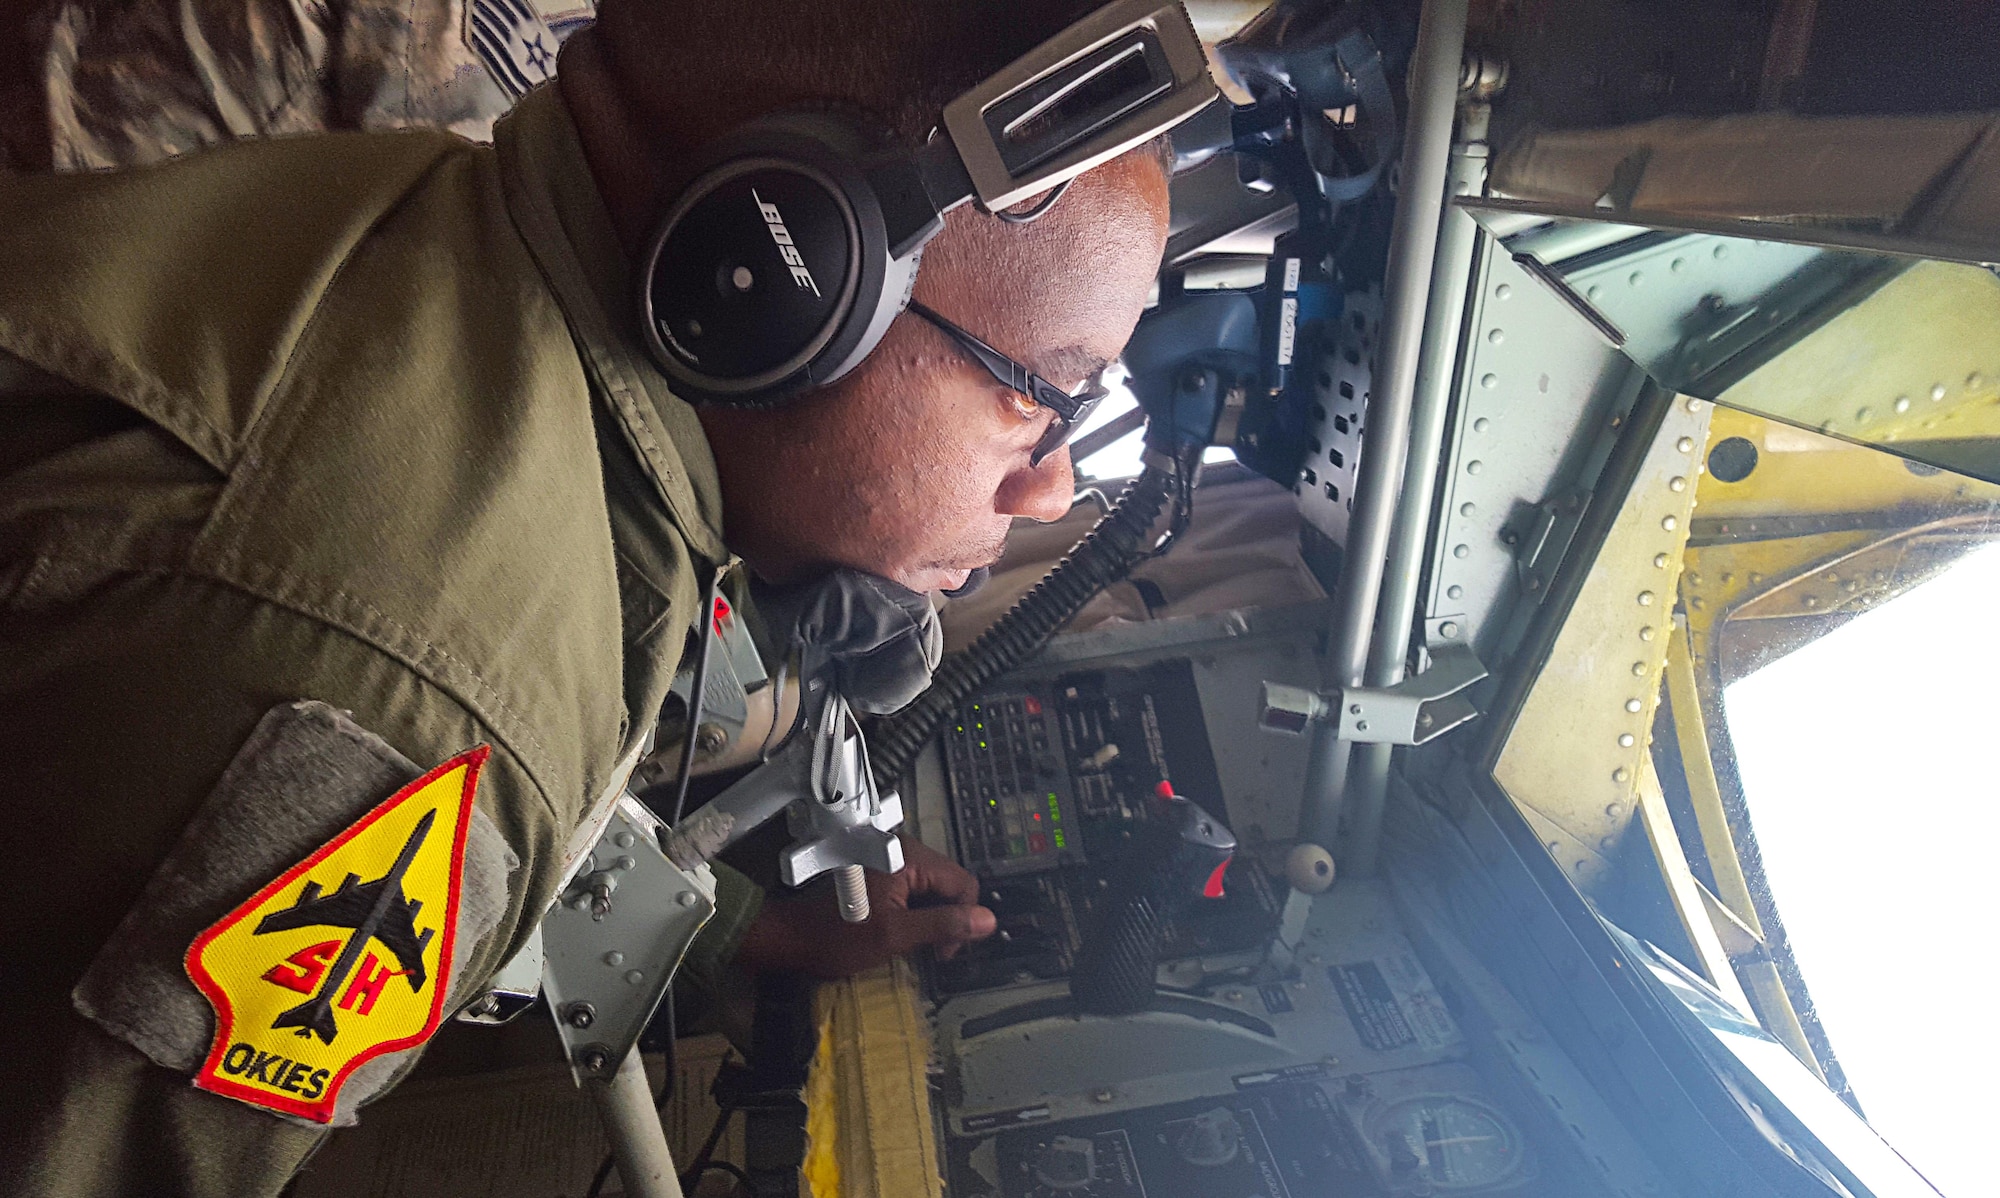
(114,1037)
(132,695)
(706,970)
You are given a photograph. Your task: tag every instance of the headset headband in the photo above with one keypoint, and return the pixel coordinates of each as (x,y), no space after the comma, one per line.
(1120,77)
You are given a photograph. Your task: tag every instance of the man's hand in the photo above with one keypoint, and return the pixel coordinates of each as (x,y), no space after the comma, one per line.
(933,901)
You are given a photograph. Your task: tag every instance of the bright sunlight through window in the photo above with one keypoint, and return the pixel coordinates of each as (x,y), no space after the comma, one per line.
(1868,761)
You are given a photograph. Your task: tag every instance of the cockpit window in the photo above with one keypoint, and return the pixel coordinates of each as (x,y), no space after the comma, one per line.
(1826,749)
(1869,767)
(1759,734)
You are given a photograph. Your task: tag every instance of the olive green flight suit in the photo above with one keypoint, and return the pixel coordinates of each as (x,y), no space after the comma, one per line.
(355,419)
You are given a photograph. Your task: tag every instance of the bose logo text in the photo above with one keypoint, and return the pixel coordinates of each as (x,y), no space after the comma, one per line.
(786,250)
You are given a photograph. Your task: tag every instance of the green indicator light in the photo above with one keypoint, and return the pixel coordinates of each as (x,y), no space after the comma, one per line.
(961,727)
(1059,839)
(979,725)
(975,707)
(982,744)
(993,802)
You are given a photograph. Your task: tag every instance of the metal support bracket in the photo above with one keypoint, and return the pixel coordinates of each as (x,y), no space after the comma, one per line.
(1416,710)
(615,937)
(513,989)
(845,821)
(1542,550)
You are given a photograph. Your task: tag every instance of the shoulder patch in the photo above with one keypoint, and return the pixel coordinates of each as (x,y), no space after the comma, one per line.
(344,957)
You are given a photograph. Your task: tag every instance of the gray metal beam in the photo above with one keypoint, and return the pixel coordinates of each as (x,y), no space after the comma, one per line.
(1444,326)
(638,1142)
(1434,82)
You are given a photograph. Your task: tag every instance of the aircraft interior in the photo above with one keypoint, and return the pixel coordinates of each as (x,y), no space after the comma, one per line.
(1457,782)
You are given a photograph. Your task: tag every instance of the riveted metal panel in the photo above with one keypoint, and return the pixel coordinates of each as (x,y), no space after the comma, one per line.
(1575,755)
(1538,392)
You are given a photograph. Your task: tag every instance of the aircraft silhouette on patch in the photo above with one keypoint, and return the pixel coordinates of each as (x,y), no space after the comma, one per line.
(375,910)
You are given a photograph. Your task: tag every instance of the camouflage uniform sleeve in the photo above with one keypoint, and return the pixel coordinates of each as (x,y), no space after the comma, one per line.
(128,84)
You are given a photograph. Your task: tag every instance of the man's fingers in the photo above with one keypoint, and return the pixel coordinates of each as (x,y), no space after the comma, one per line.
(933,873)
(944,928)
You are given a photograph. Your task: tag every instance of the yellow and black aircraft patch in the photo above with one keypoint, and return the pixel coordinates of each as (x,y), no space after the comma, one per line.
(345,957)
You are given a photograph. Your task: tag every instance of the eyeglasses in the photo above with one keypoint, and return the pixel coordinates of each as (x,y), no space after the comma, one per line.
(1071,409)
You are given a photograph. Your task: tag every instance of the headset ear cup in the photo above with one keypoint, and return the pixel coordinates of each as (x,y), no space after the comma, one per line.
(771,272)
(751,276)
(899,281)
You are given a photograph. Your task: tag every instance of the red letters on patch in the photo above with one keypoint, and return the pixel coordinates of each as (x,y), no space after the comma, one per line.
(368,983)
(302,970)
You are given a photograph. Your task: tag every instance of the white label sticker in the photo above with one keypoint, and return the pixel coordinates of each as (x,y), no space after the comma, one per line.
(1422,1005)
(1291,274)
(1392,1004)
(1288,329)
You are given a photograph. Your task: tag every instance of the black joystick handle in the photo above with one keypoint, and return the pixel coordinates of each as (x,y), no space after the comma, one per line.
(1176,858)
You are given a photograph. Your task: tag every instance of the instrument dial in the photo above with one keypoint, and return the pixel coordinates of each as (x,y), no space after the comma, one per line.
(1454,1143)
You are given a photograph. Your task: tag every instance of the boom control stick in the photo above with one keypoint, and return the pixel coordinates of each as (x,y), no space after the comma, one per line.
(1176,859)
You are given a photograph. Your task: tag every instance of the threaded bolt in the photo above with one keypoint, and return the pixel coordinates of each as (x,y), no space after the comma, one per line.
(850,883)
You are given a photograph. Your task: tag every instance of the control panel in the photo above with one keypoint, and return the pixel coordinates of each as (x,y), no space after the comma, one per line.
(1421,1132)
(1344,1066)
(1242,1145)
(1048,787)
(1009,787)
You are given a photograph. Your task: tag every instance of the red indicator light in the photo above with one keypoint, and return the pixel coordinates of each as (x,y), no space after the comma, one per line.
(721,612)
(1032,705)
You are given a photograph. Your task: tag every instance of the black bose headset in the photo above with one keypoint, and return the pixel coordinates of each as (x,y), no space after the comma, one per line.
(781,266)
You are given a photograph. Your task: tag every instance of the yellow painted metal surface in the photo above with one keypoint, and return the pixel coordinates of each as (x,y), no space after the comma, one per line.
(1698,764)
(1820,525)
(1801,473)
(1685,889)
(868,1117)
(1732,915)
(1574,755)
(1918,360)
(1819,530)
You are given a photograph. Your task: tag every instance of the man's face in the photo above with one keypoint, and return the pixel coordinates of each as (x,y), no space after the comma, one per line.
(913,466)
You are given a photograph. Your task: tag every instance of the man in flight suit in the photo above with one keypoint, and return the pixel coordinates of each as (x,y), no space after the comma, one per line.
(131,85)
(329,466)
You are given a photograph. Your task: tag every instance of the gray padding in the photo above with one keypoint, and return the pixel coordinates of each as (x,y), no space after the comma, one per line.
(880,640)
